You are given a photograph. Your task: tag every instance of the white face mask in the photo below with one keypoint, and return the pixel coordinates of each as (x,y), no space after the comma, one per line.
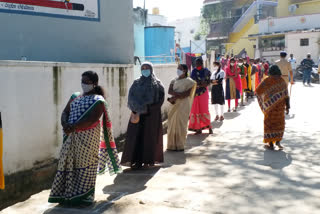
(179,72)
(215,68)
(240,64)
(232,64)
(86,88)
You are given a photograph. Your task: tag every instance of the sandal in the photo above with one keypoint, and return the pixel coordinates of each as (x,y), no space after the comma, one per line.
(210,131)
(217,118)
(229,110)
(198,132)
(279,146)
(221,118)
(269,146)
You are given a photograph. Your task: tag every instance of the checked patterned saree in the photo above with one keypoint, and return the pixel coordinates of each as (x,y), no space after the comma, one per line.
(84,154)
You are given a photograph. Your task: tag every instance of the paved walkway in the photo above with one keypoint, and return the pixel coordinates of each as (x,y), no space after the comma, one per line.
(227,172)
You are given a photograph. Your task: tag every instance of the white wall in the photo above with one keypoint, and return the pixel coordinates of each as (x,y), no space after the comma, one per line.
(300,52)
(184,28)
(289,23)
(156,20)
(33,95)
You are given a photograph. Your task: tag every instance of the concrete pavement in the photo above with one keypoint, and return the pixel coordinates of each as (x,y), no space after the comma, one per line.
(227,172)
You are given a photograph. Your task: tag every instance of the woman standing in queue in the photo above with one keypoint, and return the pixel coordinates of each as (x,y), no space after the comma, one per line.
(84,150)
(233,84)
(182,90)
(200,115)
(144,142)
(217,92)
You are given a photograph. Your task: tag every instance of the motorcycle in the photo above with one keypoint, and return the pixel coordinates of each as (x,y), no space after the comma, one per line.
(314,74)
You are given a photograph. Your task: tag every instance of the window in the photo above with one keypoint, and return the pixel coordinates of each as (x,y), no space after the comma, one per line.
(304,42)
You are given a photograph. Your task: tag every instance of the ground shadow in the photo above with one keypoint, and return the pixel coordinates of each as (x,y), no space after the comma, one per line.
(275,159)
(231,115)
(174,158)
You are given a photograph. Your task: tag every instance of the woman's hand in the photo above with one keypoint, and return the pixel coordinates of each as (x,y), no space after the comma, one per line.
(68,129)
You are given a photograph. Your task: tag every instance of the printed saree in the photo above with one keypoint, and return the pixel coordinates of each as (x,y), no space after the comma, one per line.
(272,94)
(84,154)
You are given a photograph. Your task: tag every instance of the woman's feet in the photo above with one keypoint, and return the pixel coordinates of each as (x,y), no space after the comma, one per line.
(136,166)
(217,118)
(210,131)
(221,118)
(198,132)
(269,146)
(229,110)
(279,145)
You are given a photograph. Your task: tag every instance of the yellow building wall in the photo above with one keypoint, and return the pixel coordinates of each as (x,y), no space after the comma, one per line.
(239,40)
(305,7)
(309,7)
(283,8)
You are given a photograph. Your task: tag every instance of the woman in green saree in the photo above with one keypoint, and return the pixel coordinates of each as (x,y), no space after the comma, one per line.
(88,145)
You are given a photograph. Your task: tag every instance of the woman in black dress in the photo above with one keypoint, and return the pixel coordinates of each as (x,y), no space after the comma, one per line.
(144,143)
(217,92)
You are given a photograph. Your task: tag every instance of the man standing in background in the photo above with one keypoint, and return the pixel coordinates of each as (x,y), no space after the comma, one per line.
(293,63)
(285,67)
(307,69)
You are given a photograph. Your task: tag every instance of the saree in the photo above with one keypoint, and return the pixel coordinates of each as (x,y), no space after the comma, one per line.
(1,164)
(243,74)
(84,154)
(200,118)
(272,94)
(178,114)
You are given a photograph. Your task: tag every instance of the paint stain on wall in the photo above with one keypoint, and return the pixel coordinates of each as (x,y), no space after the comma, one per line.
(122,82)
(56,71)
(112,77)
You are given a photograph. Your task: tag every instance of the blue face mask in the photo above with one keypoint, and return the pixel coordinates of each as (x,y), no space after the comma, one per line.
(146,73)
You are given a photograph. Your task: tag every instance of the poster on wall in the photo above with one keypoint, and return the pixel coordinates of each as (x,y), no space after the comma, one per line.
(73,9)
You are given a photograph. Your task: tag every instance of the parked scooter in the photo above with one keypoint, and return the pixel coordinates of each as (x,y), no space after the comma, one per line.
(314,74)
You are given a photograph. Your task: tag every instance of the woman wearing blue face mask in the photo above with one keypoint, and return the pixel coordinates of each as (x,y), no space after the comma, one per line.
(144,142)
(182,90)
(84,150)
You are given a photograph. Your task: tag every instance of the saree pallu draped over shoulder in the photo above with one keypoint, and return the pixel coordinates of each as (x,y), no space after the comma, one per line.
(84,154)
(179,114)
(272,94)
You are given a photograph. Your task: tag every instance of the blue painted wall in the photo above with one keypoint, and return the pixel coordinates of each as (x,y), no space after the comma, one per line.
(42,38)
(159,41)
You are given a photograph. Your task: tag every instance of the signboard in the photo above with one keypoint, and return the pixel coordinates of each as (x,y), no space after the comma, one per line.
(73,9)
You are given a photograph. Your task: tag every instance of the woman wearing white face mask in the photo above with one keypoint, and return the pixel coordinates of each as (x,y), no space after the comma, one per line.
(182,90)
(217,92)
(144,142)
(85,151)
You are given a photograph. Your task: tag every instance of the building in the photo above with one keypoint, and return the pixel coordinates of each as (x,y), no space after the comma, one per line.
(186,30)
(295,29)
(263,28)
(93,32)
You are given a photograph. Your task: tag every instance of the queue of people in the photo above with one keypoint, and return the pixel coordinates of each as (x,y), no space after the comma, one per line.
(88,144)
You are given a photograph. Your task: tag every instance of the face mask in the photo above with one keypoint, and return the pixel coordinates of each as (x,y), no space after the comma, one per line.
(199,67)
(232,64)
(179,72)
(87,87)
(215,68)
(146,73)
(240,64)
